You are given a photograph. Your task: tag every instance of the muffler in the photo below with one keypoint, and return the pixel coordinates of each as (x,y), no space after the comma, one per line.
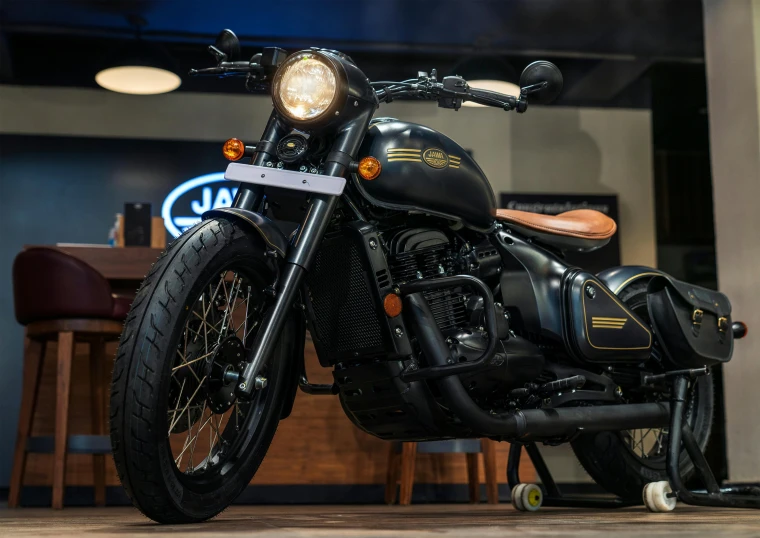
(528,424)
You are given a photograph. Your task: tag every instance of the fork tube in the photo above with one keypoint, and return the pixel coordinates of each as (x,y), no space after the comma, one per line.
(303,250)
(250,196)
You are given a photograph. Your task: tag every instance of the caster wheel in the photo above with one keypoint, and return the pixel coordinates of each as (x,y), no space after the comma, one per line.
(516,498)
(656,497)
(527,497)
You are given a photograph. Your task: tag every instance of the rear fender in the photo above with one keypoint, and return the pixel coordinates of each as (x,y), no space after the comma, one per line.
(618,278)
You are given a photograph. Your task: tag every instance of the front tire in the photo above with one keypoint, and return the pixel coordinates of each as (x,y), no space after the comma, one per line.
(168,385)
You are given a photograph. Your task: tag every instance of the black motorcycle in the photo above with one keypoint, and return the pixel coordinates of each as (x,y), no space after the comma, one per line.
(440,315)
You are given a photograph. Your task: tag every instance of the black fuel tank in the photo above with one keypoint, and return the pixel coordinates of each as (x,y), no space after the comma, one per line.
(427,171)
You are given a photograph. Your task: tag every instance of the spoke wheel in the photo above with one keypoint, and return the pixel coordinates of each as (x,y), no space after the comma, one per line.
(204,416)
(184,446)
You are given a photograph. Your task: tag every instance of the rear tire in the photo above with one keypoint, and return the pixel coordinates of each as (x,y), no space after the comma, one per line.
(608,457)
(146,366)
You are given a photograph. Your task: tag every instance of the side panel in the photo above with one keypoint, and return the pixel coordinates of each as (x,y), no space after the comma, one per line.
(531,283)
(599,327)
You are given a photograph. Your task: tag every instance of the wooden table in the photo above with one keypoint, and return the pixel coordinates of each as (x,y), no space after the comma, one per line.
(127,263)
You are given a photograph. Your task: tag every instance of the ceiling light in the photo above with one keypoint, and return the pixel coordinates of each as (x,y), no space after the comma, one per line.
(500,86)
(138,79)
(140,67)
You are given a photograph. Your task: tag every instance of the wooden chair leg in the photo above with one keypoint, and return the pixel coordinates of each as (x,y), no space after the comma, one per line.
(34,354)
(98,408)
(488,448)
(391,478)
(408,459)
(473,480)
(63,389)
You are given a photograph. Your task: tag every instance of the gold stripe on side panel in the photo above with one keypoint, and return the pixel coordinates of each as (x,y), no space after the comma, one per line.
(409,159)
(617,301)
(404,150)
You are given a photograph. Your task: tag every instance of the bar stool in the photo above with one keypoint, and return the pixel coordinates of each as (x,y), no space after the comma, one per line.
(402,459)
(58,297)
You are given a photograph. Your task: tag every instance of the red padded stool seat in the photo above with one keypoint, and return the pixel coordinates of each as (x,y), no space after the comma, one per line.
(59,297)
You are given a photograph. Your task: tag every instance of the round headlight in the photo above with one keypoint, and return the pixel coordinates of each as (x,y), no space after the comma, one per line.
(305,86)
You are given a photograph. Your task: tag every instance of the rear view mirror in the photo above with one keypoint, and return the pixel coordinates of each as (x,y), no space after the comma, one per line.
(541,82)
(228,43)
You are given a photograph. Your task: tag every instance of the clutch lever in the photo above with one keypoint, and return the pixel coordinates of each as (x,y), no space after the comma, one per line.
(239,68)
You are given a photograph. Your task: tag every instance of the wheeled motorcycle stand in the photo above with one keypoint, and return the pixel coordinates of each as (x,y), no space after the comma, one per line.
(657,496)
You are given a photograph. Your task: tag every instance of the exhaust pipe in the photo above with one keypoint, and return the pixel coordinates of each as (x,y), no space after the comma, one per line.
(528,424)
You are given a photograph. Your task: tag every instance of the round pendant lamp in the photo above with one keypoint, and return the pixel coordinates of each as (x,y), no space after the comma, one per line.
(140,68)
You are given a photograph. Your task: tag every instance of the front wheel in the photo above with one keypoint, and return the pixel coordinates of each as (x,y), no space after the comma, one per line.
(183,445)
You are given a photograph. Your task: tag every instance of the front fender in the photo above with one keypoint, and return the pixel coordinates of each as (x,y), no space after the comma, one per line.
(617,278)
(267,229)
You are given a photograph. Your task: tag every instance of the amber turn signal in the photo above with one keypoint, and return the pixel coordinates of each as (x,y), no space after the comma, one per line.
(369,168)
(392,305)
(233,149)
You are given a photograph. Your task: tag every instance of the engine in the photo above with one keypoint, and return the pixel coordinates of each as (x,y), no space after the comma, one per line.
(356,267)
(352,274)
(430,253)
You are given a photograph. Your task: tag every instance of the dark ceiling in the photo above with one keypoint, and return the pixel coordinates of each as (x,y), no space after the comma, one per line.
(604,47)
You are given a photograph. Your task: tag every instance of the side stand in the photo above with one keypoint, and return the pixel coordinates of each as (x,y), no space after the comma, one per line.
(554,497)
(681,434)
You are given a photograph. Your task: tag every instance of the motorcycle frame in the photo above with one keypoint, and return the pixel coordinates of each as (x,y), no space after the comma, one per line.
(299,257)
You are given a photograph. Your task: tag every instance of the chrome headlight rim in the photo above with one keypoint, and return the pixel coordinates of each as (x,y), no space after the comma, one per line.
(341,90)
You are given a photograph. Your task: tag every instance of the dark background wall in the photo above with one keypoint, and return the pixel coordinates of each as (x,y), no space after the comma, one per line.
(56,189)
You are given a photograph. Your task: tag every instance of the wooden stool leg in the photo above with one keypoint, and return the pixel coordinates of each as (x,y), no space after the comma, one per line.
(34,353)
(488,448)
(391,479)
(63,387)
(98,407)
(473,480)
(408,459)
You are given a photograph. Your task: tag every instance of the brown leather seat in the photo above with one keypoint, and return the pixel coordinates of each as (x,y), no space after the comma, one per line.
(50,284)
(580,229)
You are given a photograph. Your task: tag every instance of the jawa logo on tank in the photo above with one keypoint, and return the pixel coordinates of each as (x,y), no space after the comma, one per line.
(184,206)
(436,158)
(433,157)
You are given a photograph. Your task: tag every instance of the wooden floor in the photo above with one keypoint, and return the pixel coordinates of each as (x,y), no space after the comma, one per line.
(359,521)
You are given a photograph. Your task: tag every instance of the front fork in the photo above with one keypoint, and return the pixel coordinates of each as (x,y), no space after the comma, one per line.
(304,247)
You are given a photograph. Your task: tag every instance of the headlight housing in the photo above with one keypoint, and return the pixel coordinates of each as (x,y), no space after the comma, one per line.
(308,88)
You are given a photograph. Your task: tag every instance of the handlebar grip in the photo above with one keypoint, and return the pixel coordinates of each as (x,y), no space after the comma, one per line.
(491,98)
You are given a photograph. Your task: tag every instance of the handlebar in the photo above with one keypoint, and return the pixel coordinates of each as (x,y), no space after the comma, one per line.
(238,68)
(450,93)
